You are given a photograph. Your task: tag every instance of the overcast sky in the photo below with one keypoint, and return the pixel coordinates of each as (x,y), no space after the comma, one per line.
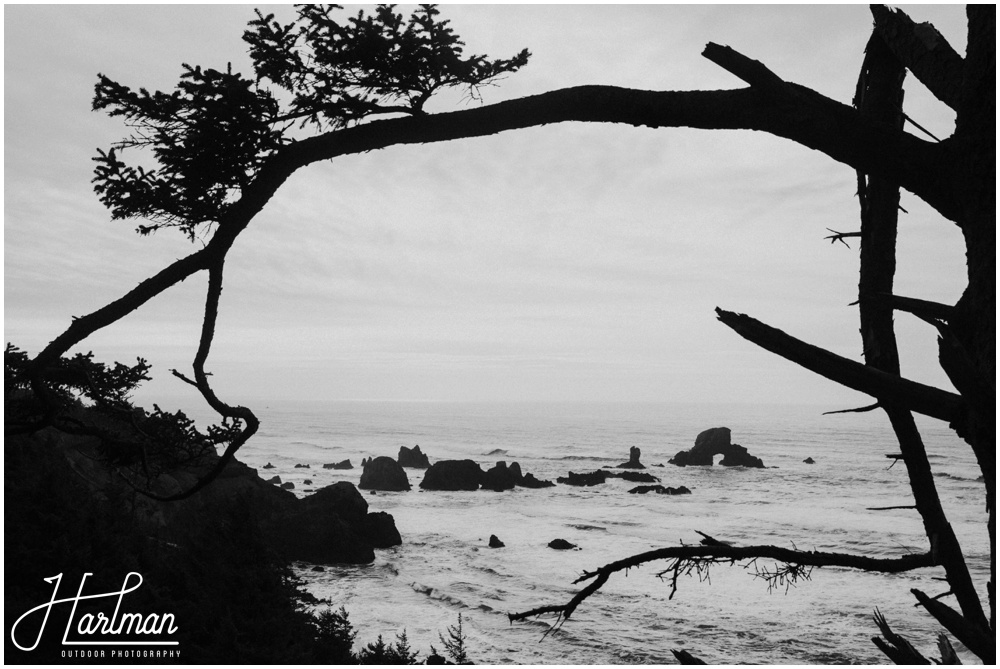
(567,262)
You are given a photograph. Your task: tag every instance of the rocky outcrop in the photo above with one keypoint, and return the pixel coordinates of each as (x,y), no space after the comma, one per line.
(453,475)
(302,466)
(593,478)
(380,530)
(495,542)
(712,442)
(268,466)
(660,490)
(636,477)
(529,481)
(412,457)
(343,464)
(501,477)
(602,475)
(809,461)
(332,525)
(561,545)
(384,473)
(633,459)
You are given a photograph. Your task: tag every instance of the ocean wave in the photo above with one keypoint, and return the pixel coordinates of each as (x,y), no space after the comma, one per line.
(438,595)
(955,477)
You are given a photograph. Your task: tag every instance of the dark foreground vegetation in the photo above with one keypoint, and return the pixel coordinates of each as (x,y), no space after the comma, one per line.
(235,599)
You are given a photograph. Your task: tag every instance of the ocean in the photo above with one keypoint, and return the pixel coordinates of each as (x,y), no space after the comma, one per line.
(445,568)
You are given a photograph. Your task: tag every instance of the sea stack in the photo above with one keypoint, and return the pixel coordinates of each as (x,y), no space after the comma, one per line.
(384,473)
(633,460)
(712,442)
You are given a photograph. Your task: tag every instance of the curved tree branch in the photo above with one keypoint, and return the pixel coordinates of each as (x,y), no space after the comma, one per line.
(798,114)
(240,413)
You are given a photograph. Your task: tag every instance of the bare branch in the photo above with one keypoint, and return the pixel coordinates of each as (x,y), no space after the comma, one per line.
(864,409)
(895,647)
(751,71)
(921,308)
(918,397)
(684,657)
(924,51)
(695,559)
(979,640)
(840,236)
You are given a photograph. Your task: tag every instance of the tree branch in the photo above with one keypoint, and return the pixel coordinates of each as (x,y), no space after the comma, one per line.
(803,116)
(885,387)
(250,421)
(978,638)
(722,553)
(921,308)
(923,51)
(895,647)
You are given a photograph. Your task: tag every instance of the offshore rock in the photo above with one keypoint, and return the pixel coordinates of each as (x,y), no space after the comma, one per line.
(809,461)
(501,477)
(453,475)
(343,464)
(636,477)
(660,490)
(384,473)
(495,542)
(412,457)
(561,545)
(633,460)
(529,481)
(712,442)
(380,530)
(593,478)
(602,475)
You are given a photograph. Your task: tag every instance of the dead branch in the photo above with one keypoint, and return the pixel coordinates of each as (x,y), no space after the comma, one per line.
(978,638)
(895,647)
(688,559)
(839,237)
(684,657)
(711,541)
(924,51)
(922,308)
(870,407)
(918,397)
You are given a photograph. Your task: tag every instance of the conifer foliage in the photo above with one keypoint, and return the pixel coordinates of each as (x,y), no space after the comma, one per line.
(214,132)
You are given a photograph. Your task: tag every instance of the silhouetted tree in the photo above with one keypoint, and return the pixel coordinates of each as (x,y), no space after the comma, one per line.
(224,144)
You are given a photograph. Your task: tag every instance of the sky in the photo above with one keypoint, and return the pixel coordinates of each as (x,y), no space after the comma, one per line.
(571,262)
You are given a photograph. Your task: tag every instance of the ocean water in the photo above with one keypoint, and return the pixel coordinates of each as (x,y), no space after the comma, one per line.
(445,567)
